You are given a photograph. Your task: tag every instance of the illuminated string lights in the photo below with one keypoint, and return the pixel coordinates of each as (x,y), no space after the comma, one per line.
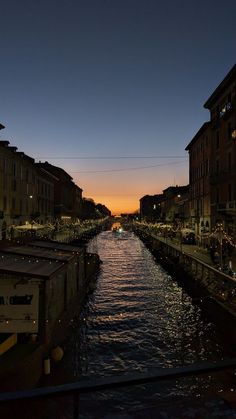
(221,235)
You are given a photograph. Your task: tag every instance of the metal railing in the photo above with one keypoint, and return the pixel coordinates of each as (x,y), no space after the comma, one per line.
(110,383)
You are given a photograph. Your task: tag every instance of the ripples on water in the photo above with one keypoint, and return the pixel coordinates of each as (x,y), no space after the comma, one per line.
(139,318)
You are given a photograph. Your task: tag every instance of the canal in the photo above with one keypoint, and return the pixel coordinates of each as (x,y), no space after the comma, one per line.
(138,318)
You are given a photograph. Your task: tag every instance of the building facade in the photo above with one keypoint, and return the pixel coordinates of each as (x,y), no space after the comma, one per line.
(67,196)
(175,204)
(19,181)
(150,207)
(199,180)
(222,107)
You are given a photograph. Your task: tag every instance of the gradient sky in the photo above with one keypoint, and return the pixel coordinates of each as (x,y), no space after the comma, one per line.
(86,79)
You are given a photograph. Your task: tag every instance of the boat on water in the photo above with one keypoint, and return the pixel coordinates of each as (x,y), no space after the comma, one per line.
(116,228)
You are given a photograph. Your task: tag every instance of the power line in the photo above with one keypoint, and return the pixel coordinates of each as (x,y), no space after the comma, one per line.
(128,168)
(109,157)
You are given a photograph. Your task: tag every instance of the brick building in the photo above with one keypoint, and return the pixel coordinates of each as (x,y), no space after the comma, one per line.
(199,180)
(19,189)
(222,107)
(67,195)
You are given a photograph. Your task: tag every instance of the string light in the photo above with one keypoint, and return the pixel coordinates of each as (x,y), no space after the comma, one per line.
(225,237)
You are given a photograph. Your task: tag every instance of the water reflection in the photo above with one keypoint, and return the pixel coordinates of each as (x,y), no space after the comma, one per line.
(139,318)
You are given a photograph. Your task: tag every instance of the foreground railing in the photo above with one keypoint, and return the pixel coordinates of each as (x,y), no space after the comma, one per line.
(109,383)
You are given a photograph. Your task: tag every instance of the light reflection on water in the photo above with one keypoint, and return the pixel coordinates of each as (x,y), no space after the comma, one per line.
(139,318)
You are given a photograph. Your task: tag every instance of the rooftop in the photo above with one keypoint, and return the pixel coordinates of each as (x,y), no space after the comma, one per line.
(221,87)
(47,254)
(26,266)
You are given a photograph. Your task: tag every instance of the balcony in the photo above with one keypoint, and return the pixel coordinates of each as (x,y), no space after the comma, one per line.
(231,206)
(227,206)
(222,176)
(221,206)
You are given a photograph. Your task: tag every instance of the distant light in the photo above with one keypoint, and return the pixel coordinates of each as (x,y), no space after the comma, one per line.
(31,196)
(179,196)
(233,135)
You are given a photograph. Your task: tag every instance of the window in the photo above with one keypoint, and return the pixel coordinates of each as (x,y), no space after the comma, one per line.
(229,162)
(13,204)
(4,203)
(229,132)
(5,183)
(229,192)
(5,165)
(14,185)
(227,106)
(14,169)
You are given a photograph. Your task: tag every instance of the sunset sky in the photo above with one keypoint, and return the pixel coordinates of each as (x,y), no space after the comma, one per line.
(112,91)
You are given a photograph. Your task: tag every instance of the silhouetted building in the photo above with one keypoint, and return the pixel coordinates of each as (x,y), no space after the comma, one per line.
(103,211)
(222,107)
(199,179)
(44,196)
(150,207)
(89,209)
(67,195)
(175,204)
(19,181)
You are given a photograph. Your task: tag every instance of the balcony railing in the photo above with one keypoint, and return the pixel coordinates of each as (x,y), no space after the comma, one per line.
(226,206)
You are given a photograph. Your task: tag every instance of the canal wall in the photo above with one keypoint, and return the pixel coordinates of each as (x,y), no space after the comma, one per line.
(209,287)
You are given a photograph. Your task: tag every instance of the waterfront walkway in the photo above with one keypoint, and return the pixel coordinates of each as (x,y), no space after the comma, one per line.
(196,251)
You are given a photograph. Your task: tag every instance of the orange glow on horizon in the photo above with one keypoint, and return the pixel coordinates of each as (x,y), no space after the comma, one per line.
(121,193)
(118,205)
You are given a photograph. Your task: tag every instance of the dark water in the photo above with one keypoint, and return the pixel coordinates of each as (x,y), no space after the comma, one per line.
(138,318)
